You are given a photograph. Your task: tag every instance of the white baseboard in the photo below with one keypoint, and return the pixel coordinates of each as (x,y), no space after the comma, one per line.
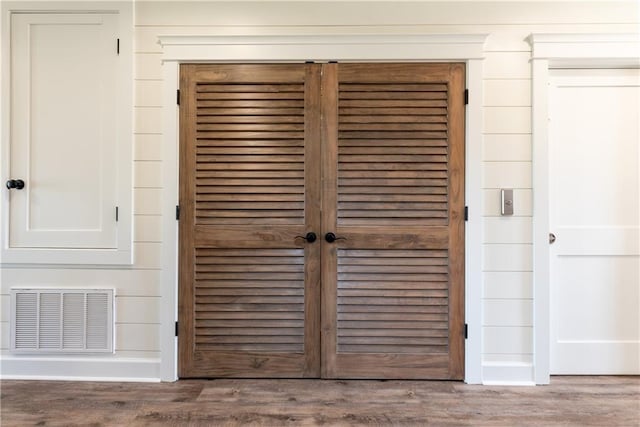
(148,370)
(80,369)
(510,374)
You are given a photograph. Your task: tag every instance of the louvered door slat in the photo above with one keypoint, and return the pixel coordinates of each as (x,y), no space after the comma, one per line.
(382,278)
(379,124)
(229,138)
(247,285)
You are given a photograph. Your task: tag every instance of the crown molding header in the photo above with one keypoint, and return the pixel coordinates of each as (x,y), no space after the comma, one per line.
(586,50)
(441,47)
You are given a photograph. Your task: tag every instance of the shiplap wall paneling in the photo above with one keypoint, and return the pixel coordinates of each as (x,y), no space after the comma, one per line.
(349,13)
(522,202)
(506,151)
(507,251)
(136,282)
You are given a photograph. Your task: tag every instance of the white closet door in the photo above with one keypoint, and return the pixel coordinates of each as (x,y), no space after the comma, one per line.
(64,132)
(595,217)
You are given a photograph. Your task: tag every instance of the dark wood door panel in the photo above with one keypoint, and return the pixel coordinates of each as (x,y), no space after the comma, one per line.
(249,189)
(394,197)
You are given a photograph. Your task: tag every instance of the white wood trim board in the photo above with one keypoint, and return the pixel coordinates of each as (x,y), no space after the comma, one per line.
(295,48)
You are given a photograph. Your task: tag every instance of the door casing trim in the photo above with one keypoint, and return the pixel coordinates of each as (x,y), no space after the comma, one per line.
(467,48)
(556,51)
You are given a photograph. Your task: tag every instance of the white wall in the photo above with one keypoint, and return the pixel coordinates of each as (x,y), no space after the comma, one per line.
(507,262)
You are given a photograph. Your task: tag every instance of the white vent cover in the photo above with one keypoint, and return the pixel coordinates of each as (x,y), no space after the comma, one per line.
(62,320)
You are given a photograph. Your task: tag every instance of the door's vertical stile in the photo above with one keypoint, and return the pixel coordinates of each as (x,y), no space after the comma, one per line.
(329,217)
(186,260)
(312,179)
(456,220)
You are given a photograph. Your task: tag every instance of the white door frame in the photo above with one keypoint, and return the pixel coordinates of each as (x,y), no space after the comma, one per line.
(556,51)
(468,48)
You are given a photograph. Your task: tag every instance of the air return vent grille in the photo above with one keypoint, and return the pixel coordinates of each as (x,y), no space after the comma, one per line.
(62,320)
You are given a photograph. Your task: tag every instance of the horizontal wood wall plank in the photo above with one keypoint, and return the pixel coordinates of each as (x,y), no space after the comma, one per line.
(126,282)
(507,65)
(510,120)
(507,93)
(508,359)
(147,228)
(147,201)
(507,147)
(148,255)
(508,285)
(379,13)
(508,312)
(507,175)
(147,120)
(133,337)
(508,230)
(148,93)
(512,257)
(148,66)
(147,147)
(130,309)
(508,340)
(147,174)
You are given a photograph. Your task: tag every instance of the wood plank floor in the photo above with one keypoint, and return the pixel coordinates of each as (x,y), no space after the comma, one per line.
(568,401)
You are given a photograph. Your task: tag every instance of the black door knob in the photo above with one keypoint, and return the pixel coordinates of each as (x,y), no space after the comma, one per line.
(310,237)
(18,184)
(331,237)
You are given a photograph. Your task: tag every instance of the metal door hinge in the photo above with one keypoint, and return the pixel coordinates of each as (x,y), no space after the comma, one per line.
(118,46)
(178,96)
(466,96)
(466,331)
(117,216)
(176,328)
(177,212)
(466,213)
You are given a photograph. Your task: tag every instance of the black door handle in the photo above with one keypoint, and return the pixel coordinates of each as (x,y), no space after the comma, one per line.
(310,237)
(18,184)
(330,237)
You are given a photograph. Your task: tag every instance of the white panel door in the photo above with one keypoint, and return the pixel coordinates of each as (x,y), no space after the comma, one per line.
(64,130)
(595,217)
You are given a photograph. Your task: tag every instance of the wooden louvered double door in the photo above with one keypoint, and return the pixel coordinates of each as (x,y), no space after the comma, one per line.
(269,155)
